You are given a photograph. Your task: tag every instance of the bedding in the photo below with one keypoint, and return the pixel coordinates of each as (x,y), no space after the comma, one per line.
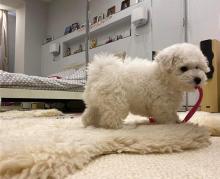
(72,82)
(72,74)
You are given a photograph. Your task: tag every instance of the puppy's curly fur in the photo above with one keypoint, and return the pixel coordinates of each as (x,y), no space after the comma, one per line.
(140,86)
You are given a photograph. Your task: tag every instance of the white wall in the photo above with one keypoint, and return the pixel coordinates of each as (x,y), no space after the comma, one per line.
(203,23)
(204,20)
(12,4)
(30,32)
(167,23)
(62,13)
(11,41)
(20,40)
(35,32)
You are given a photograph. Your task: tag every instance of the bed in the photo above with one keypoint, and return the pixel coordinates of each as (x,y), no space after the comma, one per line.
(65,85)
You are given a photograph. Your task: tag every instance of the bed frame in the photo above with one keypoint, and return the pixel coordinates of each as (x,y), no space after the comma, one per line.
(25,94)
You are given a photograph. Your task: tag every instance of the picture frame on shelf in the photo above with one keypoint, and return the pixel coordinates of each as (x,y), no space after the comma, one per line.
(75,26)
(111,11)
(68,30)
(125,4)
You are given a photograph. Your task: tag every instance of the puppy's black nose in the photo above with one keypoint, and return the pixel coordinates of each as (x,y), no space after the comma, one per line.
(197,80)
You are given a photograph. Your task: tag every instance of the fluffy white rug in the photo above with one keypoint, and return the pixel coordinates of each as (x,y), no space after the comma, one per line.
(42,147)
(194,164)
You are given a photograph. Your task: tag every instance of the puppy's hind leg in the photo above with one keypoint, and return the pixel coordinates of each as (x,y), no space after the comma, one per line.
(112,116)
(90,116)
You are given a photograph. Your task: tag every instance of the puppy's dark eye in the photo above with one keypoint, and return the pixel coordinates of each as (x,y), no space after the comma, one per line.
(184,69)
(197,67)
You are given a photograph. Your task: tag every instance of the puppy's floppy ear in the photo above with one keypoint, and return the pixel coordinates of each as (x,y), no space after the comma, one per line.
(165,60)
(205,66)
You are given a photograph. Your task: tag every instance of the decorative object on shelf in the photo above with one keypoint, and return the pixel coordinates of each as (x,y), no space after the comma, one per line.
(82,26)
(95,20)
(100,18)
(48,38)
(75,26)
(111,11)
(125,4)
(93,43)
(118,37)
(68,30)
(79,50)
(68,52)
(110,39)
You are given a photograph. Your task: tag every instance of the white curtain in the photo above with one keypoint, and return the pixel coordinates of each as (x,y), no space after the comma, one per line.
(3,40)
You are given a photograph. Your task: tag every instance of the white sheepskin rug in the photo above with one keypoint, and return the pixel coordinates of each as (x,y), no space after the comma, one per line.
(39,146)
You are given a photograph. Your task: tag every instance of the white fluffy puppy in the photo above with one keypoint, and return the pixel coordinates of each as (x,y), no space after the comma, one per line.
(142,87)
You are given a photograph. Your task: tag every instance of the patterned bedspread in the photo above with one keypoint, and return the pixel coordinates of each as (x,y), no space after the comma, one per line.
(74,81)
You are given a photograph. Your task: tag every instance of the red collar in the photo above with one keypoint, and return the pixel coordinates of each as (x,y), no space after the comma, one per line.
(192,111)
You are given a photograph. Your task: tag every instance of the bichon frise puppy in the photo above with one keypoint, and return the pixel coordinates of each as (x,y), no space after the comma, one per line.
(142,87)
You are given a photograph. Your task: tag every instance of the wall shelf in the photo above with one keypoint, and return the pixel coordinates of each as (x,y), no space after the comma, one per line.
(117,46)
(98,47)
(111,27)
(77,55)
(73,40)
(119,17)
(113,20)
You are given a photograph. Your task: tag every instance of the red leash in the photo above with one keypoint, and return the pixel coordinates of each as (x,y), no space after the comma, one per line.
(196,106)
(192,111)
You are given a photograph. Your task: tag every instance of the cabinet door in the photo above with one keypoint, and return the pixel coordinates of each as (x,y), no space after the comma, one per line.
(167,23)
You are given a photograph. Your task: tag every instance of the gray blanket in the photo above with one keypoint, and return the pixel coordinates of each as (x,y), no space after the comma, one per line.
(18,80)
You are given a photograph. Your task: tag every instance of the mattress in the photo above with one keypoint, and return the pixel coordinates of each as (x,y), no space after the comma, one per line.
(75,82)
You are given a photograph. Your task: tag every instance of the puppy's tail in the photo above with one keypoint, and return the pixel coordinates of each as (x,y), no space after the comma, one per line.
(103,63)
